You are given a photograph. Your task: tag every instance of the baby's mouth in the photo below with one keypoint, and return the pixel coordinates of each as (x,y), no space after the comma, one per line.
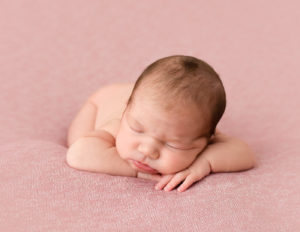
(143,167)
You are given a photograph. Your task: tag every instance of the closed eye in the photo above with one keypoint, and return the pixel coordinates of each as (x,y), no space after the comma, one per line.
(177,148)
(136,130)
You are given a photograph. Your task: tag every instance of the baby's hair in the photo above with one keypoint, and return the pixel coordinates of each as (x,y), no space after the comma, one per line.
(184,79)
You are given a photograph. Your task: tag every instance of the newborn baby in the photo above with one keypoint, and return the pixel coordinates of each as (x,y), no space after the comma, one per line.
(162,128)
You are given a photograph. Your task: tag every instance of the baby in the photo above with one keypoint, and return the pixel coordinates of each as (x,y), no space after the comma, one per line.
(161,128)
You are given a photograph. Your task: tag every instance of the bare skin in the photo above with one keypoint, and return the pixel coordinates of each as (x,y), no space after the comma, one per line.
(103,121)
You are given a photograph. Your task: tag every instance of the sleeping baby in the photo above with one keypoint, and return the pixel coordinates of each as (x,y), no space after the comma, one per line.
(163,127)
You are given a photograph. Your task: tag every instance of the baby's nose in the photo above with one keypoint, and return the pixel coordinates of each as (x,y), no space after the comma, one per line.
(149,151)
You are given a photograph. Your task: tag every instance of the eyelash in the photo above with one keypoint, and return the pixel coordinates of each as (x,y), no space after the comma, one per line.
(175,147)
(137,131)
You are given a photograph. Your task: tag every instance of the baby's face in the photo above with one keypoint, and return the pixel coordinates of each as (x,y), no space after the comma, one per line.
(167,142)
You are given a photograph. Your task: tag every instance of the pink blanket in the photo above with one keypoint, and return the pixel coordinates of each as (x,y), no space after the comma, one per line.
(54,54)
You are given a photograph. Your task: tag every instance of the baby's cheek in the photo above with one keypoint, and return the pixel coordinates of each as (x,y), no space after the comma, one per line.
(124,145)
(176,162)
(120,146)
(170,163)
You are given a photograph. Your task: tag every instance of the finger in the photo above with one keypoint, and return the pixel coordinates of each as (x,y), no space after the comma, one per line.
(156,177)
(187,183)
(163,181)
(176,180)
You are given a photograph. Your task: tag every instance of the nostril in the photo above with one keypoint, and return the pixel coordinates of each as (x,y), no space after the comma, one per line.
(154,156)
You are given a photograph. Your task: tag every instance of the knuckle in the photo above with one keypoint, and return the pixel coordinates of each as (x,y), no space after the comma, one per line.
(180,174)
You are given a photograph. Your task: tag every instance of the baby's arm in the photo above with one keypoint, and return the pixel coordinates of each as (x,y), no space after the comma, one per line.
(96,152)
(227,154)
(92,150)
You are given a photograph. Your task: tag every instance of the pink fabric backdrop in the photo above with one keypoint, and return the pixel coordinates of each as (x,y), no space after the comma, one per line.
(54,54)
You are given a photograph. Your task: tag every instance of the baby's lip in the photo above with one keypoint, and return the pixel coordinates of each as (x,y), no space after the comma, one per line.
(143,166)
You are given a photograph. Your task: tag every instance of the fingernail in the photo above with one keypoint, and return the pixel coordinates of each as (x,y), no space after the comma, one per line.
(180,189)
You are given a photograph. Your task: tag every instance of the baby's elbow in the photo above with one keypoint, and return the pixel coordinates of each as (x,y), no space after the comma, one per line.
(250,156)
(245,155)
(73,157)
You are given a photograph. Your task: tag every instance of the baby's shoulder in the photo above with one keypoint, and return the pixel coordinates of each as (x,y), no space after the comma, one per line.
(112,127)
(112,90)
(111,102)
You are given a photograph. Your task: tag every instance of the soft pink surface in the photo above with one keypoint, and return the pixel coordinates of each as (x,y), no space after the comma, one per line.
(54,54)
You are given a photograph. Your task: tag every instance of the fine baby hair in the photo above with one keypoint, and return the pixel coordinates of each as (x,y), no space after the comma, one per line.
(180,79)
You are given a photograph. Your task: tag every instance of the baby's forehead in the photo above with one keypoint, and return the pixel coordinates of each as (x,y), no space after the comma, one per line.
(168,107)
(161,98)
(184,120)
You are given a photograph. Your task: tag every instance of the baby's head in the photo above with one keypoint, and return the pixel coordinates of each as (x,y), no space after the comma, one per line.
(172,112)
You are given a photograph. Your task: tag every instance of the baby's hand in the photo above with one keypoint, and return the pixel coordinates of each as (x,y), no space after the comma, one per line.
(198,170)
(194,173)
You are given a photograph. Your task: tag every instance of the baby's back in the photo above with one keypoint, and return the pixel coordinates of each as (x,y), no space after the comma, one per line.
(111,101)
